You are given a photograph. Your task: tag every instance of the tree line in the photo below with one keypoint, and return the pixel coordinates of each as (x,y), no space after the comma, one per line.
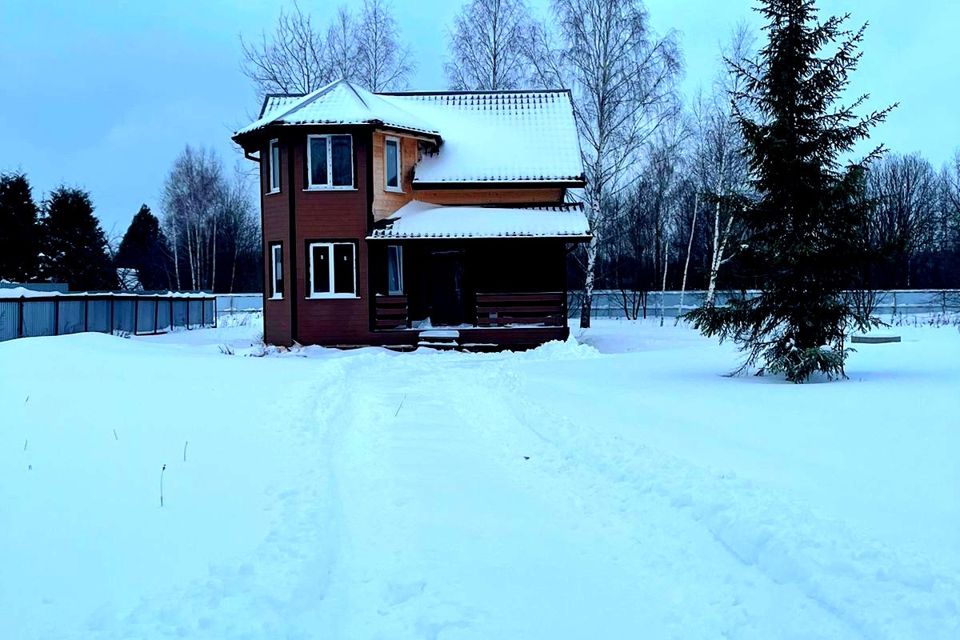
(208,237)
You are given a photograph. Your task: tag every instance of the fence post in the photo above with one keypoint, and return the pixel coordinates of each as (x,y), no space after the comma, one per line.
(203,313)
(111,313)
(56,316)
(20,319)
(188,314)
(214,312)
(156,315)
(172,323)
(136,314)
(86,314)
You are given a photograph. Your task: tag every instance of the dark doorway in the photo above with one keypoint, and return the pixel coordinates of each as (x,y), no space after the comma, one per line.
(446,286)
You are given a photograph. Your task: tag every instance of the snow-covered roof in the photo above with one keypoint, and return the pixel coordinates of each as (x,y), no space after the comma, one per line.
(521,136)
(485,136)
(420,220)
(338,103)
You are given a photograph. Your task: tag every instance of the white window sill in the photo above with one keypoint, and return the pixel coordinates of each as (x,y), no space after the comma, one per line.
(333,296)
(275,298)
(272,192)
(393,189)
(330,189)
(395,293)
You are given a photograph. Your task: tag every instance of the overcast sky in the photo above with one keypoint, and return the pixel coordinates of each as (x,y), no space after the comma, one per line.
(104,94)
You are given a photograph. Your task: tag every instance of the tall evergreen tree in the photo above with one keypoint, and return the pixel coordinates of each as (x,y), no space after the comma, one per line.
(19,230)
(805,230)
(144,248)
(74,246)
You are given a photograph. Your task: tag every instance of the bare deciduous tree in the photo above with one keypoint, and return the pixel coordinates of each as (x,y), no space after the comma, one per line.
(342,47)
(488,45)
(209,221)
(904,217)
(299,57)
(383,63)
(722,169)
(623,78)
(292,59)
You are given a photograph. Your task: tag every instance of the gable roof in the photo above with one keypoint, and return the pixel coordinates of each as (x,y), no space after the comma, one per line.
(422,221)
(487,137)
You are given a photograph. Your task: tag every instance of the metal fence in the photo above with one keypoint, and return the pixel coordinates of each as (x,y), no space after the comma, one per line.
(653,304)
(231,303)
(136,314)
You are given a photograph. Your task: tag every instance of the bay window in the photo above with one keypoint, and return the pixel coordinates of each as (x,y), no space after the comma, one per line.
(332,270)
(329,162)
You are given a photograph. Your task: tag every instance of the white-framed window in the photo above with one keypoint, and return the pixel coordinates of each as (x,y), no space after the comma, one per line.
(333,270)
(391,165)
(276,271)
(394,269)
(274,166)
(329,162)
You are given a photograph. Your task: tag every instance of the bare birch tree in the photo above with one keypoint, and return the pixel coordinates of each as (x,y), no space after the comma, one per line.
(623,79)
(383,63)
(209,221)
(292,59)
(342,50)
(722,168)
(488,45)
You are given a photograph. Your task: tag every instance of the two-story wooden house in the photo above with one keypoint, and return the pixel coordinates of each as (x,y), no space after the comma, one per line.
(409,218)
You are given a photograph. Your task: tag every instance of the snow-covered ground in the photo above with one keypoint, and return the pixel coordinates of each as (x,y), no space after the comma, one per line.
(616,487)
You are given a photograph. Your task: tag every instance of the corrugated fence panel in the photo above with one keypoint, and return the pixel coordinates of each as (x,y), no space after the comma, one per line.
(179,313)
(209,312)
(98,316)
(70,316)
(9,320)
(196,312)
(163,315)
(146,316)
(38,318)
(123,320)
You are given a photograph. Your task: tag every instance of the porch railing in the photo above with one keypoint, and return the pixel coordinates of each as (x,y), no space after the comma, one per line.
(390,312)
(505,309)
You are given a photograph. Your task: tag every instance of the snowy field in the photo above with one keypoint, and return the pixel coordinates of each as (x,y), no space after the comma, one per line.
(615,487)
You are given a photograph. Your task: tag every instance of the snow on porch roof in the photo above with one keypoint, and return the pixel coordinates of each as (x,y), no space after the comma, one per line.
(422,221)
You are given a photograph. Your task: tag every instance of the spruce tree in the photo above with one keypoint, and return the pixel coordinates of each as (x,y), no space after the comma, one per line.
(804,240)
(144,248)
(74,246)
(19,230)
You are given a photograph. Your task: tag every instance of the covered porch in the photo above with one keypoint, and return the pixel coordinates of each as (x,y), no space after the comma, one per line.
(451,283)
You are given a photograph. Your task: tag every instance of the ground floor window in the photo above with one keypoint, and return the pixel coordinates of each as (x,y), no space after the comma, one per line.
(394,269)
(333,270)
(276,271)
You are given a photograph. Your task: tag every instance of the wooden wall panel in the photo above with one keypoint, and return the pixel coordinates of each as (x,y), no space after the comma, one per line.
(386,202)
(276,228)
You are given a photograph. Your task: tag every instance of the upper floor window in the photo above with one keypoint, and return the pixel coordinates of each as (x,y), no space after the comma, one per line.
(330,162)
(274,166)
(333,270)
(392,164)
